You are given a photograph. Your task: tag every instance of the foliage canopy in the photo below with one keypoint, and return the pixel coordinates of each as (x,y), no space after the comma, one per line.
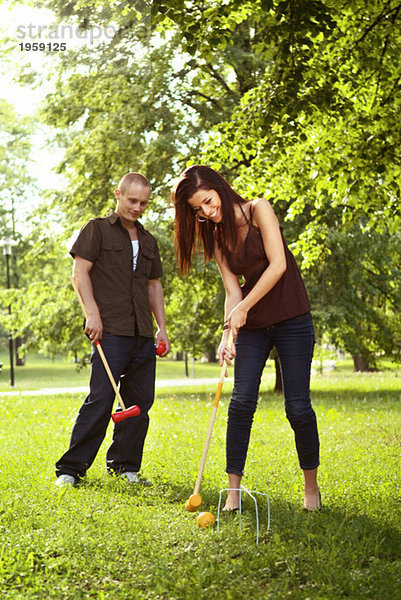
(298,101)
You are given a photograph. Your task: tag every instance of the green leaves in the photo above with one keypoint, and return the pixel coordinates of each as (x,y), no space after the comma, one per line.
(295,101)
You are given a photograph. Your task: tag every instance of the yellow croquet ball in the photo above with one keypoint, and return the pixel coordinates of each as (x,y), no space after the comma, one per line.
(205,519)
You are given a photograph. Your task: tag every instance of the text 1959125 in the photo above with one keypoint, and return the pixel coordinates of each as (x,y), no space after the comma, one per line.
(43,46)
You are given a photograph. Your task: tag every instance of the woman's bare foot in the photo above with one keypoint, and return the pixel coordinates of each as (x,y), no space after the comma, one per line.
(234,483)
(312,499)
(312,493)
(232,502)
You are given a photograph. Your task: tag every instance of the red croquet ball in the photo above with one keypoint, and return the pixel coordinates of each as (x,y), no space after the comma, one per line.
(160,348)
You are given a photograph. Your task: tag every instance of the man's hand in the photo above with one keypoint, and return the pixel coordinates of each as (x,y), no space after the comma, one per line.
(94,328)
(161,336)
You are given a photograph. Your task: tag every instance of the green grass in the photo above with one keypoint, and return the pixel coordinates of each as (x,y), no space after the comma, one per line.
(40,372)
(107,540)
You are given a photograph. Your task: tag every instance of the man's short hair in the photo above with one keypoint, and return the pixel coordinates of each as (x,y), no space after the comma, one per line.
(130,178)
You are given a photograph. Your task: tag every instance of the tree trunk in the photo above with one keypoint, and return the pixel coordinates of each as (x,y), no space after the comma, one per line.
(211,355)
(278,385)
(362,364)
(19,358)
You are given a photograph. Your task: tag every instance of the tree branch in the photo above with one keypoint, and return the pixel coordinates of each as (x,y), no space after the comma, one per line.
(390,94)
(383,52)
(377,21)
(212,100)
(218,78)
(383,291)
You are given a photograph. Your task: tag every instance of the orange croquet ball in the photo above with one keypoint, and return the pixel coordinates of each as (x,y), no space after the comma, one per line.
(205,519)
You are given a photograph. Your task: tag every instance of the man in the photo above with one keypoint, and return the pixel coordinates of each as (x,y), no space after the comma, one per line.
(116,270)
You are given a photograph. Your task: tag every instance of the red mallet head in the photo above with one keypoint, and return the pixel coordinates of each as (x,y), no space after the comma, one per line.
(121,415)
(160,348)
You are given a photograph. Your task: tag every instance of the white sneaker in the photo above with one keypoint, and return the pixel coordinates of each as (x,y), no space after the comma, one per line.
(133,477)
(65,479)
(130,476)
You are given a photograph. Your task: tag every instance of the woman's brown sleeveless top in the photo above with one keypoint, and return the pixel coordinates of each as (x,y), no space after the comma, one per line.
(287,299)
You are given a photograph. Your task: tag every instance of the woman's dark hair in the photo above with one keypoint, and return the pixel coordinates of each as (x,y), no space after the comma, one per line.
(189,233)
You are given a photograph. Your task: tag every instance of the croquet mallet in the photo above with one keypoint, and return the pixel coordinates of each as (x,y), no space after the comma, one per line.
(125,413)
(195,500)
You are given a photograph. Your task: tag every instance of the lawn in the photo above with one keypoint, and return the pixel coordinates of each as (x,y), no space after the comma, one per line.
(107,540)
(40,372)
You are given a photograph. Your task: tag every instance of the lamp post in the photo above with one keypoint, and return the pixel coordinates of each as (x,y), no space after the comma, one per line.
(7,244)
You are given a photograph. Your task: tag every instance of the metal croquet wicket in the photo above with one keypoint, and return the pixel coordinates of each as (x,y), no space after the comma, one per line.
(250,494)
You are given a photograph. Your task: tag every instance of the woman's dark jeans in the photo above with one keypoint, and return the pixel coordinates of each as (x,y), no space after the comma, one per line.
(132,361)
(294,340)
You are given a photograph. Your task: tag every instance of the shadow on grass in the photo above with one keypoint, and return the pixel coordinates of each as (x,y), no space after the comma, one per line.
(332,534)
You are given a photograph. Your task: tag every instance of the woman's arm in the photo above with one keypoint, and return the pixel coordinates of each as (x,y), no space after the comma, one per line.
(265,219)
(233,298)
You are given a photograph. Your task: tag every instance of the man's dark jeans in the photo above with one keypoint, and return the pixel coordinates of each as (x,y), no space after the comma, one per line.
(294,340)
(132,361)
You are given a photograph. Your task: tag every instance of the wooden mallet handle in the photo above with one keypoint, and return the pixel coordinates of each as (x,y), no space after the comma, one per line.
(223,372)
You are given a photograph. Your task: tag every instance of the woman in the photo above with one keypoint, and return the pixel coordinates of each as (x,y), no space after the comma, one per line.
(271,309)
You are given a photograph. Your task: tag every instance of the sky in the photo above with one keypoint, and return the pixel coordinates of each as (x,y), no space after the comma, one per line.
(24,26)
(15,22)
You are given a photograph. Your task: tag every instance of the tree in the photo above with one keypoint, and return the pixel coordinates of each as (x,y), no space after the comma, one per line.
(360,305)
(194,310)
(44,310)
(16,184)
(294,100)
(116,113)
(138,101)
(15,179)
(318,136)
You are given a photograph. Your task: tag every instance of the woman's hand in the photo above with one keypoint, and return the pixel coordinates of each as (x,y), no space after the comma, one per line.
(237,318)
(226,352)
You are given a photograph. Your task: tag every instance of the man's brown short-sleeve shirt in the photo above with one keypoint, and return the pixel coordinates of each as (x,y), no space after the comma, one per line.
(120,292)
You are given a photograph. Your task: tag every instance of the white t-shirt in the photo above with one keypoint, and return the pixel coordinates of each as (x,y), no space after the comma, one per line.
(135,252)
